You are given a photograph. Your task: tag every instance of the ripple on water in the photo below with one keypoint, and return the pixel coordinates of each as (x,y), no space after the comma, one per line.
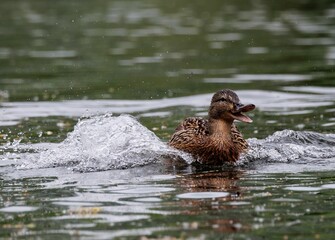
(311,89)
(18,209)
(303,189)
(247,78)
(257,50)
(270,101)
(238,203)
(145,190)
(148,199)
(78,204)
(53,54)
(4,53)
(328,186)
(203,195)
(108,218)
(286,200)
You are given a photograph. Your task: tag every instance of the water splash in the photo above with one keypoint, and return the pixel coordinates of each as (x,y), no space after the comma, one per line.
(105,142)
(293,147)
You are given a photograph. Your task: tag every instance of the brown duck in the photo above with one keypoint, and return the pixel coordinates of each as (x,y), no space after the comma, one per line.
(215,140)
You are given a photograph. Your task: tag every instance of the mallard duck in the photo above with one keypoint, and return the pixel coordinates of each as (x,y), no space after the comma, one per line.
(215,140)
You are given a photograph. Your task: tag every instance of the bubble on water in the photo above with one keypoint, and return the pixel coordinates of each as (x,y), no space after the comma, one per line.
(106,142)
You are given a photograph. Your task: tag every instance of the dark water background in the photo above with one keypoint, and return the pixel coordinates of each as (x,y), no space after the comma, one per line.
(160,61)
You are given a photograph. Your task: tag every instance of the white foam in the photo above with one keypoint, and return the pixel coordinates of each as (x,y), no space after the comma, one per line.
(292,151)
(105,142)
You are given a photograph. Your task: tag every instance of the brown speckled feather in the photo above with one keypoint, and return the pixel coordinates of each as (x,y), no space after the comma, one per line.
(189,133)
(238,139)
(192,136)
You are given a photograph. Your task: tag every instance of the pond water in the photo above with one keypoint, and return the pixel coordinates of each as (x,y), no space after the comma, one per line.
(90,91)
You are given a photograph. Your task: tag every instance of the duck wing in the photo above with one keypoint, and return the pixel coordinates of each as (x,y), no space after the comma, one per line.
(189,133)
(197,124)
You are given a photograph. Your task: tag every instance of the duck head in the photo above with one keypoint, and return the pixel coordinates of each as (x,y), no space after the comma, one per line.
(226,105)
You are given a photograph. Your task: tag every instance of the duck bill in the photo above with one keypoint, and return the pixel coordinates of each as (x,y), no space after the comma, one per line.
(238,113)
(242,117)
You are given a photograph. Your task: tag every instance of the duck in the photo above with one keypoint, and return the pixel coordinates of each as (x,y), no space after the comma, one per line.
(214,140)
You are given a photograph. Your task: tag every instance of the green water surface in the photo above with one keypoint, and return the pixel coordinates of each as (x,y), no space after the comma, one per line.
(56,51)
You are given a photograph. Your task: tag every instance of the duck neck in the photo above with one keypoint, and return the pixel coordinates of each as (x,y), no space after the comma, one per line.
(221,128)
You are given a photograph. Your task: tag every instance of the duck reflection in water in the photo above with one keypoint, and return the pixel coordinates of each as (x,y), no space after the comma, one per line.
(213,182)
(216,140)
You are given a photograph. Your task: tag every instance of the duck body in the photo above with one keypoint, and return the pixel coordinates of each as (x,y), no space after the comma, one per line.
(215,140)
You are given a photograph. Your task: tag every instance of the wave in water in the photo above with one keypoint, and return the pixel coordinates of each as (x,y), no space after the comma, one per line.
(299,150)
(106,142)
